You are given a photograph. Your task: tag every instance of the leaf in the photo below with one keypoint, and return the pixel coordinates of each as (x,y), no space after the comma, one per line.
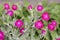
(58,31)
(39,14)
(54,35)
(0,13)
(1,8)
(18,17)
(36,34)
(27,19)
(1,22)
(25,12)
(26,3)
(44,3)
(59,25)
(51,19)
(19,13)
(6,38)
(24,36)
(52,5)
(49,36)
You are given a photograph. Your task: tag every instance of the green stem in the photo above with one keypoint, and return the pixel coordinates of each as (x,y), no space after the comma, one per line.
(32,37)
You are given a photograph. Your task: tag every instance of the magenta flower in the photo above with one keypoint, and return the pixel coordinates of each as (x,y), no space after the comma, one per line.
(1,38)
(40,8)
(19,23)
(22,30)
(45,16)
(10,13)
(1,35)
(43,32)
(30,7)
(39,24)
(14,7)
(51,27)
(6,6)
(54,23)
(58,39)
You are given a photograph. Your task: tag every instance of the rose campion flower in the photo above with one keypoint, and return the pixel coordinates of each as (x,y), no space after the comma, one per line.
(1,38)
(30,7)
(1,35)
(43,32)
(54,23)
(19,23)
(14,7)
(39,24)
(22,30)
(45,16)
(6,6)
(40,8)
(57,38)
(10,13)
(51,27)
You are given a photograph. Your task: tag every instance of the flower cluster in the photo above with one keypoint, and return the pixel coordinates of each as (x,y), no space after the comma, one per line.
(8,8)
(38,24)
(18,23)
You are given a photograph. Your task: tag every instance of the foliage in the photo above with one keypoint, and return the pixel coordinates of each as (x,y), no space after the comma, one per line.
(29,17)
